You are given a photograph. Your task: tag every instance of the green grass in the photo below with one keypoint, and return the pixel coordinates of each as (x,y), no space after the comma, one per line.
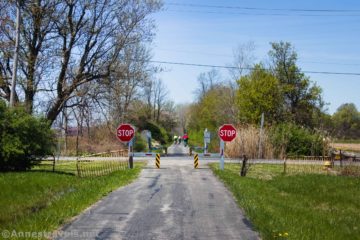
(42,201)
(305,206)
(60,167)
(86,168)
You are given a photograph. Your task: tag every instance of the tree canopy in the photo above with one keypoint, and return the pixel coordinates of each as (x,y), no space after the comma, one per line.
(301,98)
(346,121)
(259,92)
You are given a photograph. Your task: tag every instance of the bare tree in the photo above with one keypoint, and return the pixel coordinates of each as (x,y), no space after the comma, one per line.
(7,42)
(244,59)
(160,98)
(168,117)
(207,81)
(132,72)
(99,39)
(68,43)
(148,90)
(183,115)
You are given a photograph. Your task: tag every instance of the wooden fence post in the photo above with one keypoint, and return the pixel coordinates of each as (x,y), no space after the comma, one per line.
(243,167)
(341,163)
(78,168)
(54,163)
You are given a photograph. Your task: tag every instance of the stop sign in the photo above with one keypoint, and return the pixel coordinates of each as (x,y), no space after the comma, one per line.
(227,132)
(125,132)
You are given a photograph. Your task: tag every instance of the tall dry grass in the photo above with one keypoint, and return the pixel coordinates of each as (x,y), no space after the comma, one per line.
(101,139)
(247,143)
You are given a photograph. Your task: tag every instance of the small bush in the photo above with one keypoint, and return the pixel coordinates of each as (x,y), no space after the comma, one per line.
(140,143)
(290,139)
(23,138)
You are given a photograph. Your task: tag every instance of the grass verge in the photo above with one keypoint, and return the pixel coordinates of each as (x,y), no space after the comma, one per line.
(302,206)
(37,201)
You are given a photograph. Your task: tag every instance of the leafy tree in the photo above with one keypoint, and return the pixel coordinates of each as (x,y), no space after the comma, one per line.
(301,97)
(347,121)
(212,110)
(259,92)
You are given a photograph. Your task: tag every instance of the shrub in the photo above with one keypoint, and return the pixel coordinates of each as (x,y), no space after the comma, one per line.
(140,143)
(23,139)
(290,139)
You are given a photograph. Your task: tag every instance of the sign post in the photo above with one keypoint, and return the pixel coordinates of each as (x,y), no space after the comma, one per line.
(222,149)
(206,140)
(131,154)
(125,133)
(227,133)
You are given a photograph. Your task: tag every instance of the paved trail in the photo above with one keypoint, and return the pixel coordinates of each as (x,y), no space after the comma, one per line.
(178,149)
(174,202)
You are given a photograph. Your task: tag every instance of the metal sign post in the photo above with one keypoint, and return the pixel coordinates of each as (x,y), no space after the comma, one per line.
(222,148)
(261,135)
(131,154)
(206,140)
(205,146)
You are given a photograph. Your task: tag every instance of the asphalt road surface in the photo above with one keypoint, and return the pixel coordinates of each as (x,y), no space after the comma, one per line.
(173,202)
(178,149)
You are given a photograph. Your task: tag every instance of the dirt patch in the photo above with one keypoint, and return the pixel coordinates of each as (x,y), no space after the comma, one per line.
(353,147)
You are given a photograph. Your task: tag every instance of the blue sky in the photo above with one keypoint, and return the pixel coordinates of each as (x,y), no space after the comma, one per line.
(324,41)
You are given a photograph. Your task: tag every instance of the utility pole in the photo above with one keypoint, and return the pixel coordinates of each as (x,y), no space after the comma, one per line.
(13,79)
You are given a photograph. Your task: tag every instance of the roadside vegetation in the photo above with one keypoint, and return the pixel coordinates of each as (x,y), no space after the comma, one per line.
(295,206)
(295,118)
(38,201)
(23,139)
(96,80)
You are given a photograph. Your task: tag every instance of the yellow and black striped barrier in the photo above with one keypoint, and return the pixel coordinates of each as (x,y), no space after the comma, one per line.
(157,160)
(196,161)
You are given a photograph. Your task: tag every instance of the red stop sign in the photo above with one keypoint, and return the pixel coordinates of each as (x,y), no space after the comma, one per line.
(125,132)
(227,132)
